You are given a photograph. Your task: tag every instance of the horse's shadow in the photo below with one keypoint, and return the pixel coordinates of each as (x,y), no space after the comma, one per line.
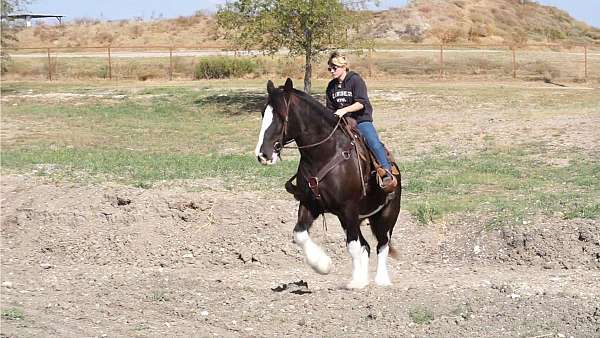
(234,103)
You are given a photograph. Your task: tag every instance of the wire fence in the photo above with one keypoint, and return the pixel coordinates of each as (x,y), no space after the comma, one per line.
(548,62)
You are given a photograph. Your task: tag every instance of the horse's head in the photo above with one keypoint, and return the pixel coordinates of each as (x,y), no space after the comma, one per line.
(274,123)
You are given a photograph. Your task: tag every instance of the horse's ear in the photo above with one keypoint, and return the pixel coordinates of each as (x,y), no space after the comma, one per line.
(270,87)
(288,86)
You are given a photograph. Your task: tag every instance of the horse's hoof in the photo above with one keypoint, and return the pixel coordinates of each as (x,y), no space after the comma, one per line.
(357,284)
(323,266)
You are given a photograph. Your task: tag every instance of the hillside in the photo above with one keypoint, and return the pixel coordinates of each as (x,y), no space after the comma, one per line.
(183,31)
(486,21)
(421,21)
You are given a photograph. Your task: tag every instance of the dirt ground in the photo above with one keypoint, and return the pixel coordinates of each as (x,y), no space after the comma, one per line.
(116,261)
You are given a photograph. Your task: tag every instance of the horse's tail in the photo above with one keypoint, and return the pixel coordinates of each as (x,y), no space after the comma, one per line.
(393,252)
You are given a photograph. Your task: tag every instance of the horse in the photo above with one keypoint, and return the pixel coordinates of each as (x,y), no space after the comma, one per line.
(329,153)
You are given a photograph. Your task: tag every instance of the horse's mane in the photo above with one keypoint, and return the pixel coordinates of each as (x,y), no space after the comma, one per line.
(316,106)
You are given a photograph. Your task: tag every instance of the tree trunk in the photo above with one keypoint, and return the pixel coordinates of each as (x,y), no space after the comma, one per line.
(307,71)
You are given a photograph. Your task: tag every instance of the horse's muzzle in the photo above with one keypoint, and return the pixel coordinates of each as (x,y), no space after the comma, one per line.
(264,161)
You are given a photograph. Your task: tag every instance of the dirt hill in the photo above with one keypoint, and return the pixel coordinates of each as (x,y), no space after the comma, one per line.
(489,21)
(427,21)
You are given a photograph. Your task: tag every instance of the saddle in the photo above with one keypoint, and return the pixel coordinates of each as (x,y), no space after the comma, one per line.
(366,155)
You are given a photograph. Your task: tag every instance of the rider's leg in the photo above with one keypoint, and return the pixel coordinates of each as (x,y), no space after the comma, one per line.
(367,130)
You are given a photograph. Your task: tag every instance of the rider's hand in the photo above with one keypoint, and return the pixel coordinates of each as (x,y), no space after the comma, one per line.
(341,112)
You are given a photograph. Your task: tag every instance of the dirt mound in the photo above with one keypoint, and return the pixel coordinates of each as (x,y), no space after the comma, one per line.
(105,225)
(568,245)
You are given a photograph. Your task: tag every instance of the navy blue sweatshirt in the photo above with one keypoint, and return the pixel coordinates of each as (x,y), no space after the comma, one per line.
(343,94)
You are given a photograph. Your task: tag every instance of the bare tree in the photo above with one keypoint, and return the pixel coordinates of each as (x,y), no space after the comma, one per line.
(8,32)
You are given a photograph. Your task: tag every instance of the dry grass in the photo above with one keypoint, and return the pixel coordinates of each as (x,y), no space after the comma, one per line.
(194,30)
(459,63)
(485,21)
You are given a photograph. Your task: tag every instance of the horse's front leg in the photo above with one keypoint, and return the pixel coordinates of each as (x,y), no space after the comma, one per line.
(314,255)
(358,248)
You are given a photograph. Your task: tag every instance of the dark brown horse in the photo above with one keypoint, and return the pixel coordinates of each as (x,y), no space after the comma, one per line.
(329,162)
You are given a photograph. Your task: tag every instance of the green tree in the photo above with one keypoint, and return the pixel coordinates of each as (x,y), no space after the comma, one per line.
(304,27)
(7,33)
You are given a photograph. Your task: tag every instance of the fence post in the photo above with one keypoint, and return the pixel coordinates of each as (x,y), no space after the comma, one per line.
(49,66)
(441,60)
(514,62)
(585,62)
(170,63)
(109,65)
(370,62)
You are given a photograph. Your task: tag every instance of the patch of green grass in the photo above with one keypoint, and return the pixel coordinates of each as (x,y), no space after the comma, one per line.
(13,314)
(182,120)
(208,129)
(425,213)
(158,296)
(142,169)
(583,211)
(420,315)
(141,327)
(510,187)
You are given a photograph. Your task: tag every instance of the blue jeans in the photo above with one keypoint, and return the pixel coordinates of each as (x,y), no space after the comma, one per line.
(367,130)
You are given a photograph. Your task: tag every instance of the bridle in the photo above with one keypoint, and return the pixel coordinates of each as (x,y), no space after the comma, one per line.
(280,144)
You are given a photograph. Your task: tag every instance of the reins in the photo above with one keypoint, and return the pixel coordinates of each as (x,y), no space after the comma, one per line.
(314,144)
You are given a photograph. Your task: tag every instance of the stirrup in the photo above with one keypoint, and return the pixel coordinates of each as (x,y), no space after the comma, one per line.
(386,180)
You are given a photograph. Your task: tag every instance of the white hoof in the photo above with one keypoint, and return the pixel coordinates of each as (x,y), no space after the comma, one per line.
(383,281)
(323,265)
(355,284)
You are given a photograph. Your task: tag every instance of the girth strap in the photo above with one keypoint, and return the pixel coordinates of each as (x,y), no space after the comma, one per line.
(313,181)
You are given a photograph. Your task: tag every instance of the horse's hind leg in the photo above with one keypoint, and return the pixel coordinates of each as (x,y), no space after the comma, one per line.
(358,248)
(315,256)
(382,225)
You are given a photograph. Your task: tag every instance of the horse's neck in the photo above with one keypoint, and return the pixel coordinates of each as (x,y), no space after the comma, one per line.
(316,127)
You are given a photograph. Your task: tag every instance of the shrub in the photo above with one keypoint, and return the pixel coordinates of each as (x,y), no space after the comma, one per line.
(421,315)
(136,31)
(86,21)
(47,34)
(544,71)
(224,67)
(104,38)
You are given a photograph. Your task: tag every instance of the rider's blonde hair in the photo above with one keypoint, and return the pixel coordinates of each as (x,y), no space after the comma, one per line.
(337,59)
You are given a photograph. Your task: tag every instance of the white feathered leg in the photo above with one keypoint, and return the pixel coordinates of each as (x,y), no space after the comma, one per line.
(314,255)
(360,265)
(382,277)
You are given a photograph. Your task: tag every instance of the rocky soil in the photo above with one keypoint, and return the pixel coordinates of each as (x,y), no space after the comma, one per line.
(115,261)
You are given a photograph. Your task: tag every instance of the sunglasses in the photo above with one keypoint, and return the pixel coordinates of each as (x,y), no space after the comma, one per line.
(332,68)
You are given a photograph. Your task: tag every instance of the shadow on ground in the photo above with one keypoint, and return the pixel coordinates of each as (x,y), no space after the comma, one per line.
(236,103)
(240,103)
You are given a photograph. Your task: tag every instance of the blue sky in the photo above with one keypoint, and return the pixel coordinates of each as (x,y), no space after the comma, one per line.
(585,10)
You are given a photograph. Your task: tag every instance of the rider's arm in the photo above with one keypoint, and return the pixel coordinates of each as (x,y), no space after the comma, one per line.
(359,91)
(356,106)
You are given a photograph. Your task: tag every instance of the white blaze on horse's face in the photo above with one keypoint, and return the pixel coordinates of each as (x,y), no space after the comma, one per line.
(267,121)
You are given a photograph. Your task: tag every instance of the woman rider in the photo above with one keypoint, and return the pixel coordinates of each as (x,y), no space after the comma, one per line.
(347,94)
